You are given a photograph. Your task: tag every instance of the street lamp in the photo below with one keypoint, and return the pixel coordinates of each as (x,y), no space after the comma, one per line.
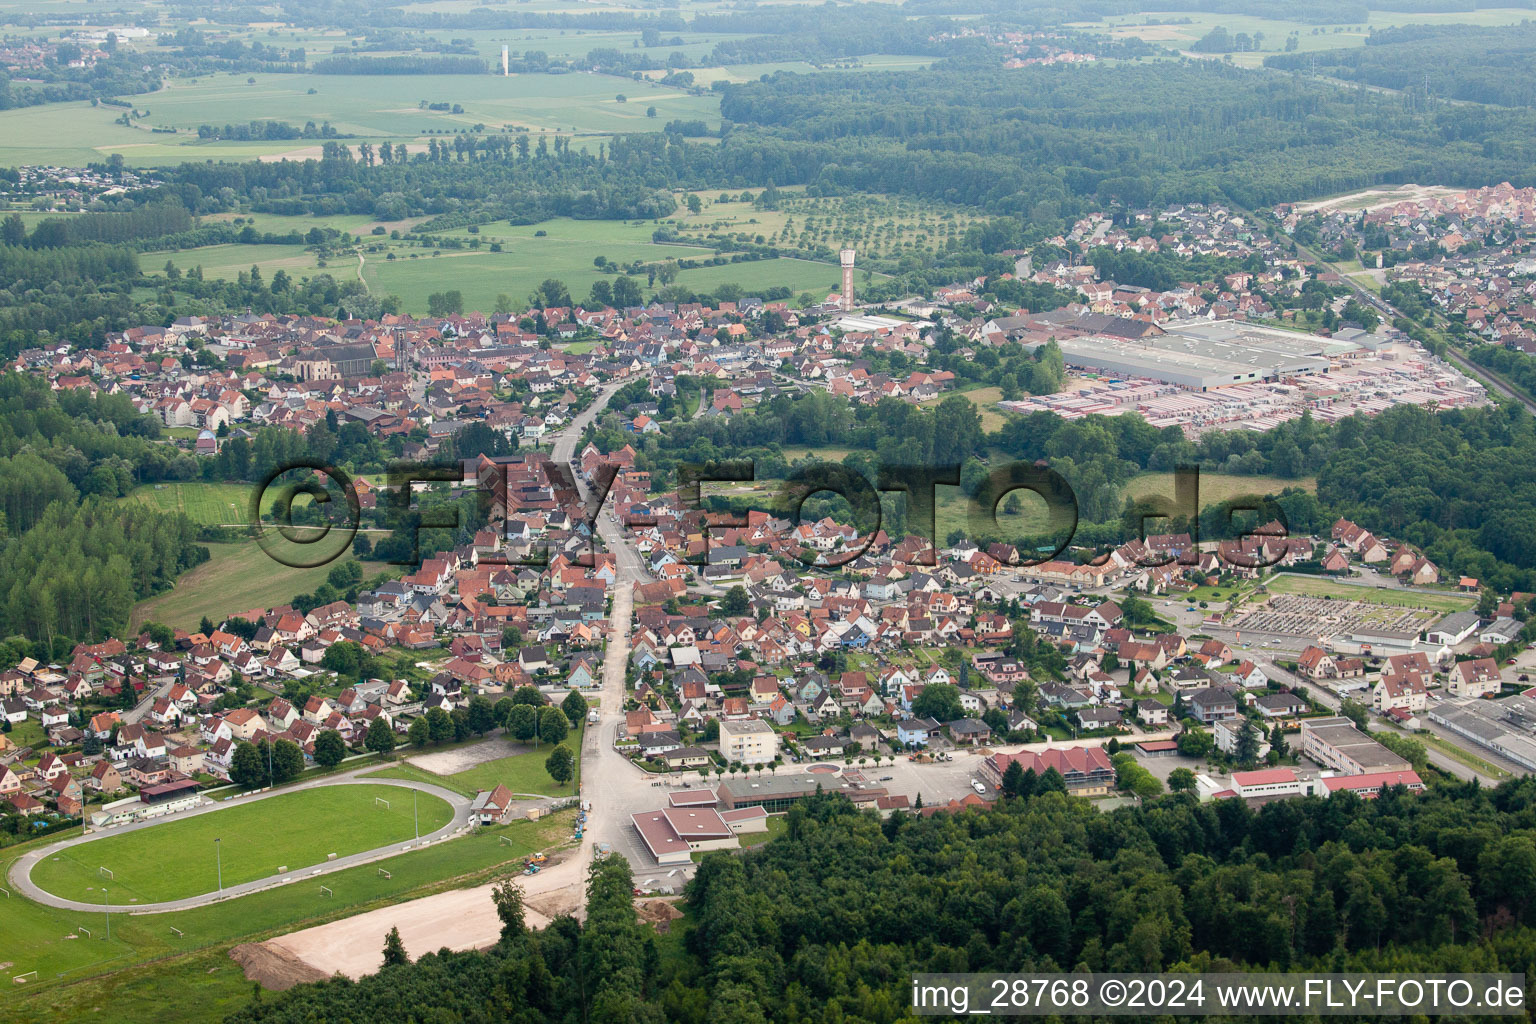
(415,814)
(218,853)
(106,911)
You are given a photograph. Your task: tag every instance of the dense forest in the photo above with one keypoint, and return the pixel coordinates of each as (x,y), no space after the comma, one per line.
(72,563)
(1044,140)
(1469,63)
(829,921)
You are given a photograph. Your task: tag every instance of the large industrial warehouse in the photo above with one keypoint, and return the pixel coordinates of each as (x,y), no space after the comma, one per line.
(1204,356)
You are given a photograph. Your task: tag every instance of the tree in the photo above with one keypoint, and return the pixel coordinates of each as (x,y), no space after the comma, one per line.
(440,304)
(528,695)
(330,749)
(575,708)
(439,725)
(561,765)
(523,722)
(287,761)
(482,715)
(1248,739)
(1013,779)
(381,738)
(1195,743)
(245,766)
(939,701)
(419,734)
(508,897)
(735,601)
(344,657)
(1356,712)
(394,949)
(626,292)
(693,203)
(1181,780)
(553,726)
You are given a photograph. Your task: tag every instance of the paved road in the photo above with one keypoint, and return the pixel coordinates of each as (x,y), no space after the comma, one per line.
(136,713)
(608,781)
(20,873)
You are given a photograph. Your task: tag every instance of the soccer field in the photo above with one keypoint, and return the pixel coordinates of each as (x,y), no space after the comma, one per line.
(295,831)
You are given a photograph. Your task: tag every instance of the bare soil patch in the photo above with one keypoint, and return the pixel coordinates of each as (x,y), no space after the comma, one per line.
(274,969)
(462,759)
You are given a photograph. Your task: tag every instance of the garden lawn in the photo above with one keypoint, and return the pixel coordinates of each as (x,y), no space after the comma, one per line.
(176,859)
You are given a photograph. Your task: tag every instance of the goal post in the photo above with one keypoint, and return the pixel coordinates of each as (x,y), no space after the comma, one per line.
(83,930)
(505,840)
(176,931)
(325,891)
(383,873)
(380,800)
(105,873)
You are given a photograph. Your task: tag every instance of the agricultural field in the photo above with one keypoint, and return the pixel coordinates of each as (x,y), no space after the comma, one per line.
(206,504)
(561,248)
(297,830)
(525,262)
(192,976)
(882,229)
(562,44)
(1178,30)
(738,73)
(1216,488)
(237,578)
(369,108)
(520,773)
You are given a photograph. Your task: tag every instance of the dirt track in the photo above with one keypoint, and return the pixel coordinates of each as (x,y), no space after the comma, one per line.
(460,919)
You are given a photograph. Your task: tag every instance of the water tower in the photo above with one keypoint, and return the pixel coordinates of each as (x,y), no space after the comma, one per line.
(845,257)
